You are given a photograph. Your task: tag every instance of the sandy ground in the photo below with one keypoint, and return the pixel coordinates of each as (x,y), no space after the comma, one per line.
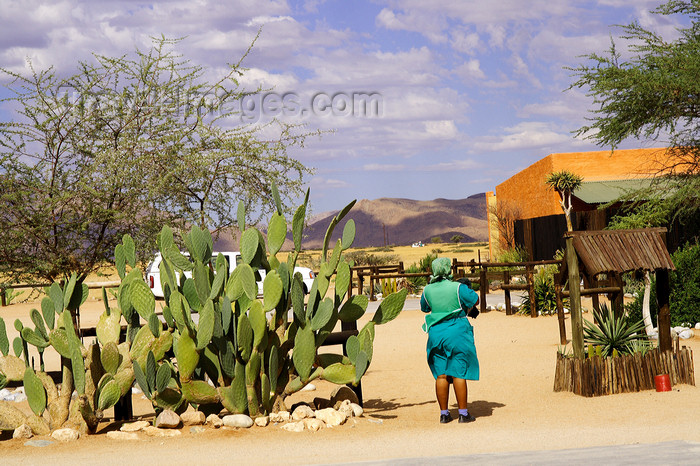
(514,404)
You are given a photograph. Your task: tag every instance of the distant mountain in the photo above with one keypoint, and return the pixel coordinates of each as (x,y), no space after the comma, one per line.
(406,221)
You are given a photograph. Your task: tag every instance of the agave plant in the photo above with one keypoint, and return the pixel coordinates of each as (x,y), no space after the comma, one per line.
(613,334)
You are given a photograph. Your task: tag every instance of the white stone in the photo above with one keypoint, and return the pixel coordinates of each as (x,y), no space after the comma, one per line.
(293,426)
(686,334)
(156,432)
(356,409)
(331,417)
(262,421)
(313,424)
(116,435)
(238,420)
(193,418)
(500,307)
(19,397)
(65,435)
(168,419)
(679,329)
(23,431)
(282,416)
(345,408)
(214,421)
(134,426)
(697,326)
(489,307)
(136,390)
(309,387)
(302,412)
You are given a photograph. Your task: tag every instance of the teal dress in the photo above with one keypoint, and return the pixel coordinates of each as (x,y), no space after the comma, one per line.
(450,348)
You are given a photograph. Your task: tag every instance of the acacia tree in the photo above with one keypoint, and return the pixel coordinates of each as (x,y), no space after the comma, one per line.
(653,93)
(504,214)
(564,183)
(126,145)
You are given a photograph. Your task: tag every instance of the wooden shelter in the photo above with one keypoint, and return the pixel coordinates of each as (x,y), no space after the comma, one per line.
(590,254)
(613,253)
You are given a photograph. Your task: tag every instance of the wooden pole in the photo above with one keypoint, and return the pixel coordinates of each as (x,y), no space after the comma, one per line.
(662,297)
(560,314)
(575,298)
(530,270)
(483,289)
(506,280)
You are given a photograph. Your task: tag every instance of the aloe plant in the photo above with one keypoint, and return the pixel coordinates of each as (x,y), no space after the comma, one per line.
(613,334)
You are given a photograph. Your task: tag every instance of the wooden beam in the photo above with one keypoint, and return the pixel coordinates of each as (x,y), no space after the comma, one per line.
(575,300)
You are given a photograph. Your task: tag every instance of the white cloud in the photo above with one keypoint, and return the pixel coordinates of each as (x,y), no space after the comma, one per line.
(525,135)
(431,26)
(465,42)
(443,129)
(378,167)
(470,70)
(327,183)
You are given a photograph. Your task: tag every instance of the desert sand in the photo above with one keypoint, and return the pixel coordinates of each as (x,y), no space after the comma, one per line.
(514,406)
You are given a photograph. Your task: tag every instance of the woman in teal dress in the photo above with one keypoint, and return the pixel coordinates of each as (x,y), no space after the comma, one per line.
(450,348)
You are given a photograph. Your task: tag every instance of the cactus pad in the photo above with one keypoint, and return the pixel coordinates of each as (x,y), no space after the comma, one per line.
(109,395)
(304,351)
(142,299)
(390,307)
(354,308)
(272,290)
(35,391)
(108,327)
(187,355)
(339,373)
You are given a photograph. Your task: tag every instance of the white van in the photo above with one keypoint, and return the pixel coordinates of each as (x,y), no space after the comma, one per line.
(233,258)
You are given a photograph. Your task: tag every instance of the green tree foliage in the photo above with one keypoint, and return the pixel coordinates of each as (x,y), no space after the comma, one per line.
(652,93)
(456,238)
(125,145)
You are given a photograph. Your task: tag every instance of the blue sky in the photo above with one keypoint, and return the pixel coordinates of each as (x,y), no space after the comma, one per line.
(469,92)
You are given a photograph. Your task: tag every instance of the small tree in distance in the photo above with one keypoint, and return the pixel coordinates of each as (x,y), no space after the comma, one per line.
(436,239)
(457,238)
(564,183)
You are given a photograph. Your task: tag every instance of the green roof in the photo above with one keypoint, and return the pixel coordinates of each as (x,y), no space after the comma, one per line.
(600,192)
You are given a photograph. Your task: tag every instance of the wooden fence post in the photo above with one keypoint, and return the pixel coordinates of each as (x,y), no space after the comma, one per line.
(530,275)
(350,285)
(560,314)
(506,280)
(483,288)
(3,298)
(574,298)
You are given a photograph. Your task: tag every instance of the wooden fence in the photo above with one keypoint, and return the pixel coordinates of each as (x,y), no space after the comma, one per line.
(92,286)
(599,376)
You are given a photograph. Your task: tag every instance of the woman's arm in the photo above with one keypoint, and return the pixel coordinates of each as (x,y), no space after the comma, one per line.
(468,298)
(424,306)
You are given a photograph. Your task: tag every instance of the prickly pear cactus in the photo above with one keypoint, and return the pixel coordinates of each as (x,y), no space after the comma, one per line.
(257,350)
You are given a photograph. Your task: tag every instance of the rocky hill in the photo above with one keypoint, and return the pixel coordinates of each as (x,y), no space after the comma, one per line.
(406,221)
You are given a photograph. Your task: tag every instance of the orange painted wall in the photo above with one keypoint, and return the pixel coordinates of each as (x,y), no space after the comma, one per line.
(528,191)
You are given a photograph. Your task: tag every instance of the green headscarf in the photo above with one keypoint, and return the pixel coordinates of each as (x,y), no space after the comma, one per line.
(442,268)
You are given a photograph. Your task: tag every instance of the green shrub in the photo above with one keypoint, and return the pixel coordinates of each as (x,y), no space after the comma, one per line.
(367,258)
(684,300)
(685,286)
(544,293)
(516,254)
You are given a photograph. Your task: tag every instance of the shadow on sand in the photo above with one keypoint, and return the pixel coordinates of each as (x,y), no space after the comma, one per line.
(376,407)
(482,408)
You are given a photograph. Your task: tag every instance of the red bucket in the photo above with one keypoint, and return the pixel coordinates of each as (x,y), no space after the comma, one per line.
(662,382)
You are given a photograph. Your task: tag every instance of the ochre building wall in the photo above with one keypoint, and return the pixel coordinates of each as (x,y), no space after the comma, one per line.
(527,189)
